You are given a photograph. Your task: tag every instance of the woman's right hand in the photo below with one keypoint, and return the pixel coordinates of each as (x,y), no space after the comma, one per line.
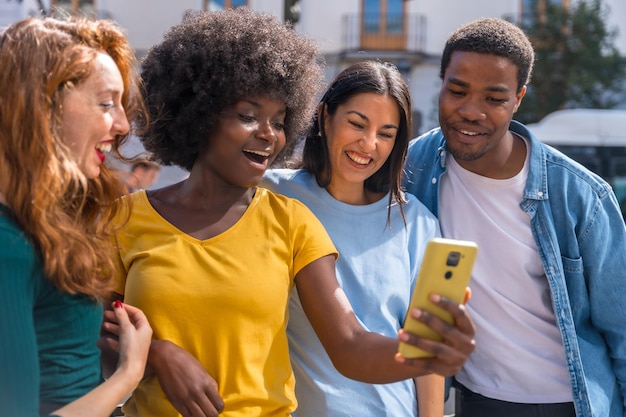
(185,382)
(130,335)
(134,336)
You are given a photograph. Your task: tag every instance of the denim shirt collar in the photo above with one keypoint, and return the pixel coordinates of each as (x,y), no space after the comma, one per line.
(537,182)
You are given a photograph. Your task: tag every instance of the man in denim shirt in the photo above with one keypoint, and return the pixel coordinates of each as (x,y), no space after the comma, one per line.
(549,283)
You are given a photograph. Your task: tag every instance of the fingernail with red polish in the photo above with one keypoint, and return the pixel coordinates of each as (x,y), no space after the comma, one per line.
(117,304)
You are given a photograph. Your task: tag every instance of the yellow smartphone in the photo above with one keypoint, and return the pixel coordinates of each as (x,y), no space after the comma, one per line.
(446,270)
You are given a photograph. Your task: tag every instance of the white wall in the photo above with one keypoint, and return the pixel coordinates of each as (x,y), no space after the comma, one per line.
(144,20)
(322,19)
(443,16)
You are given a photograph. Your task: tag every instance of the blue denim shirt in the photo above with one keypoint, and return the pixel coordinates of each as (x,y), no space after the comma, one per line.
(581,237)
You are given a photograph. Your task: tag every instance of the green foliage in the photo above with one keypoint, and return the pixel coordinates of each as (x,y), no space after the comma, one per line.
(577,64)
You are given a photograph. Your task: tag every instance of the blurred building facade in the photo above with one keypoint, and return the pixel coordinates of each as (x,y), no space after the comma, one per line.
(409,33)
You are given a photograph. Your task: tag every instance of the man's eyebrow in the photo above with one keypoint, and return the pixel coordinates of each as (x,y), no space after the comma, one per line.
(493,88)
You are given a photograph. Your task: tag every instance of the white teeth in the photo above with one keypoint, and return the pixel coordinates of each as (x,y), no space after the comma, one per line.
(104,147)
(260,153)
(358,159)
(465,132)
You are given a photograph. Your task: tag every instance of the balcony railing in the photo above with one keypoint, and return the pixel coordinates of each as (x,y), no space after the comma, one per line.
(402,32)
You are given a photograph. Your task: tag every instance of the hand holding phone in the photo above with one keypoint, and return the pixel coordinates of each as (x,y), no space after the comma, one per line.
(446,270)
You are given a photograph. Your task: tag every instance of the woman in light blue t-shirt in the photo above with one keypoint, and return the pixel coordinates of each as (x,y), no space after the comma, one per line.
(350,178)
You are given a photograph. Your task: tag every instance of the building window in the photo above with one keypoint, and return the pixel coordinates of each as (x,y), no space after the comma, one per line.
(214,5)
(75,7)
(383,24)
(394,16)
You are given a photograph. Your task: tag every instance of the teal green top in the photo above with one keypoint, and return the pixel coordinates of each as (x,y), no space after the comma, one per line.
(48,351)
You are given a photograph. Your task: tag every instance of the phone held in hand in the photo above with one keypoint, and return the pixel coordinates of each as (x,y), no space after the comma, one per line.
(446,270)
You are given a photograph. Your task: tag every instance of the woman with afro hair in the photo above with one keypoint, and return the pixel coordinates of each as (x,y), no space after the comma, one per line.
(212,260)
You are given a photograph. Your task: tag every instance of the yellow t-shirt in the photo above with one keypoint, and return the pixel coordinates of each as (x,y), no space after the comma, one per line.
(224,299)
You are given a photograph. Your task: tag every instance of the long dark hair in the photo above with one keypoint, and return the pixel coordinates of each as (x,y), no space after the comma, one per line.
(363,77)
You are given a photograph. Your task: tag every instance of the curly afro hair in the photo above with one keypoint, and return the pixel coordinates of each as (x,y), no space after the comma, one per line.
(494,36)
(212,60)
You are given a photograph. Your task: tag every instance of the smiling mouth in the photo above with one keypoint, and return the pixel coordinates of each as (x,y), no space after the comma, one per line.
(358,159)
(256,156)
(104,147)
(469,132)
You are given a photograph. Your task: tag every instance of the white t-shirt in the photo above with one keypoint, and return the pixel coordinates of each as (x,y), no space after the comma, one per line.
(519,354)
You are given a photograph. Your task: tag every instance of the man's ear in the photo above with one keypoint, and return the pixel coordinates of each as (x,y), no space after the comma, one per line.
(519,98)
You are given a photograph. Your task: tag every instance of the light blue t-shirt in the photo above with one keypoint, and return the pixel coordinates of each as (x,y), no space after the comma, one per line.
(377,267)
